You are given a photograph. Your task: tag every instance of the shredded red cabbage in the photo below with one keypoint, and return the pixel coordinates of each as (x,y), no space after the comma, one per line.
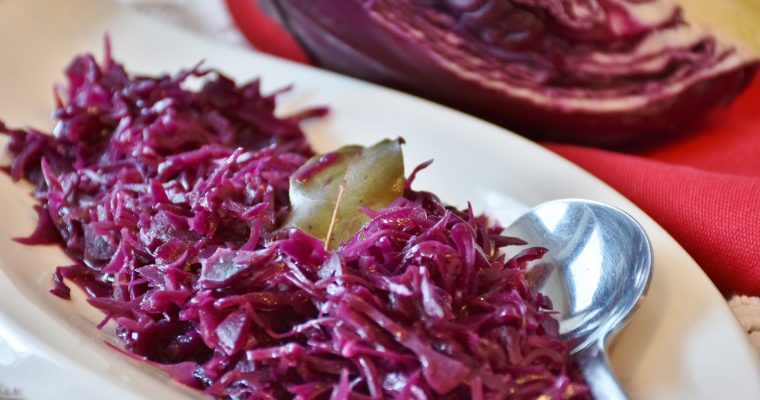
(170,200)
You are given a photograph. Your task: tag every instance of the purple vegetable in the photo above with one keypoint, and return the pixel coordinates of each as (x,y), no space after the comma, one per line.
(595,71)
(170,202)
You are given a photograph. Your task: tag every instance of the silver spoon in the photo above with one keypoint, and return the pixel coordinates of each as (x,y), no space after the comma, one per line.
(596,270)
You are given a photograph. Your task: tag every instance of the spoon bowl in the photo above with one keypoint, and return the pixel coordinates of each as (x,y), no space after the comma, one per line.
(596,271)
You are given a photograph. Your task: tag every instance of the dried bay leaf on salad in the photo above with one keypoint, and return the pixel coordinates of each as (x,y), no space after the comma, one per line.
(330,190)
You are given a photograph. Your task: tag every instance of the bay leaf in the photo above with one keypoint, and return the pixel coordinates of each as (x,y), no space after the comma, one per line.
(370,177)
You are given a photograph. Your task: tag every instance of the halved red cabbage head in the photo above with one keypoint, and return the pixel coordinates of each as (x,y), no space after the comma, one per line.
(169,201)
(594,71)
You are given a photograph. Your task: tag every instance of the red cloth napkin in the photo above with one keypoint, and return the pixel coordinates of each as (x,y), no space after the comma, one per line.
(703,188)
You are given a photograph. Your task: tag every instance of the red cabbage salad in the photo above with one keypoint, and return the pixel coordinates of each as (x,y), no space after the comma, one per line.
(173,205)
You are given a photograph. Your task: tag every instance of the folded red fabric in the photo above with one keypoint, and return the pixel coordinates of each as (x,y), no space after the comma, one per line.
(703,188)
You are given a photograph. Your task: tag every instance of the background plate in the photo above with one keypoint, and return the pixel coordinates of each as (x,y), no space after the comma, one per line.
(683,343)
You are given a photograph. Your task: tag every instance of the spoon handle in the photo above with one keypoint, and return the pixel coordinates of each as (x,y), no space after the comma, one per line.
(598,373)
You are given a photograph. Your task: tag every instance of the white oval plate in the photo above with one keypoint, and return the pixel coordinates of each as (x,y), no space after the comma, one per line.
(683,343)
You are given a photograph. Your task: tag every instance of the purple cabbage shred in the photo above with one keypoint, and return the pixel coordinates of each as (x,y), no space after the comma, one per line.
(170,203)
